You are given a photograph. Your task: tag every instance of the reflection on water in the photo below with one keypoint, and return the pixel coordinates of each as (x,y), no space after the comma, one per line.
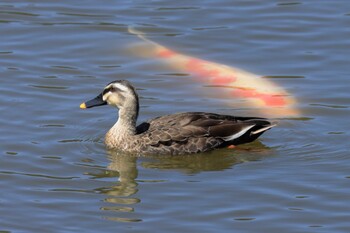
(121,197)
(53,169)
(216,160)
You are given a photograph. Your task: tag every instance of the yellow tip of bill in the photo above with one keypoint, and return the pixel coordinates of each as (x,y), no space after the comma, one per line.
(83,106)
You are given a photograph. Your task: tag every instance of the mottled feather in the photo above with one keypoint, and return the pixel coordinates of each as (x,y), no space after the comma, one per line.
(181,133)
(193,132)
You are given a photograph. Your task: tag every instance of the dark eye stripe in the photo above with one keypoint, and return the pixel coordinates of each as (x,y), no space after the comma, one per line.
(105,91)
(111,89)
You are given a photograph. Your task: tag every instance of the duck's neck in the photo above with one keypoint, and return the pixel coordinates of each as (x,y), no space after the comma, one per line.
(126,124)
(125,127)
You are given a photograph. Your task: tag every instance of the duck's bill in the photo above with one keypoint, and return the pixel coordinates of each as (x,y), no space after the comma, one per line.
(98,101)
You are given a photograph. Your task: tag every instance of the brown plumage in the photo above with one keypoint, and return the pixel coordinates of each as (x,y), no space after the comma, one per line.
(181,133)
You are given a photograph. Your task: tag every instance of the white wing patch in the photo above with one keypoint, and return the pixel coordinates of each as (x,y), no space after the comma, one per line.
(237,135)
(263,129)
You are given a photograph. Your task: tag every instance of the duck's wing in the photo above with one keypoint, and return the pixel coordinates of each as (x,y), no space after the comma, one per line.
(175,127)
(210,128)
(231,129)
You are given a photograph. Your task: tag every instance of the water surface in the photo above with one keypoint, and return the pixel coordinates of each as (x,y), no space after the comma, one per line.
(56,175)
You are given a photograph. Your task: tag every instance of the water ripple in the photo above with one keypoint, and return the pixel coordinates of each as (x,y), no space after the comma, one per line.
(54,166)
(39,175)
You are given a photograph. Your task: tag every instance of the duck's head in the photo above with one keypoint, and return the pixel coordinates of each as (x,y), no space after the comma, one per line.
(120,94)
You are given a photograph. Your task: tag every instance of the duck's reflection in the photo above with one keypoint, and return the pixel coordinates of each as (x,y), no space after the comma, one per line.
(122,197)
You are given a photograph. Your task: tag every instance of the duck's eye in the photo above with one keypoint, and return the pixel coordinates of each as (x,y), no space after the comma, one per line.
(115,89)
(112,89)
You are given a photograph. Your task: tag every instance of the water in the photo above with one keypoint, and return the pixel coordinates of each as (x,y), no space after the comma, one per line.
(56,176)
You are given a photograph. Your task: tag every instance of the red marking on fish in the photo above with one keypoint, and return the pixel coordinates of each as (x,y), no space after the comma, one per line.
(215,76)
(222,80)
(204,69)
(268,99)
(194,64)
(166,53)
(231,147)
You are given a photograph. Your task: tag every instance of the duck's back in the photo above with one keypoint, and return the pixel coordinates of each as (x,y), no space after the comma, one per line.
(194,132)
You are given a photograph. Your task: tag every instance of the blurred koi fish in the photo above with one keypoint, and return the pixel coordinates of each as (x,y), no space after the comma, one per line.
(260,93)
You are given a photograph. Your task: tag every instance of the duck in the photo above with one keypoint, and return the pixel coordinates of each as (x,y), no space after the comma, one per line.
(174,134)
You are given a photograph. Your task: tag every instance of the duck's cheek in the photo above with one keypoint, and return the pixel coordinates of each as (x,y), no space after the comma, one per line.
(114,100)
